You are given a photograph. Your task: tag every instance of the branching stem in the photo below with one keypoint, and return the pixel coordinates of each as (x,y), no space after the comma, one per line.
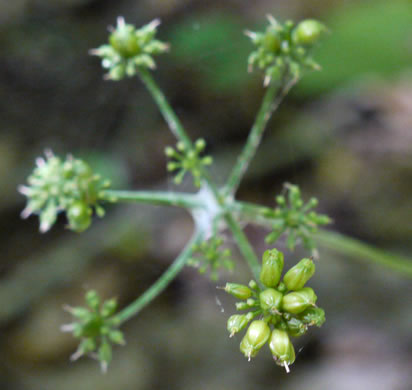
(155,289)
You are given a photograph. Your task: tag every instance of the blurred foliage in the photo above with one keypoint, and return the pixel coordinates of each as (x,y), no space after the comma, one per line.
(367,38)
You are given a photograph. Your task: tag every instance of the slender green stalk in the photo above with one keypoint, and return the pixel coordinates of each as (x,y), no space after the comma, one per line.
(271,101)
(244,245)
(168,114)
(188,201)
(177,129)
(357,249)
(155,289)
(335,241)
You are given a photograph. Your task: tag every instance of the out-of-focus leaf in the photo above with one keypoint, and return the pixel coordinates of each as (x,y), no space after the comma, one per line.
(367,38)
(215,46)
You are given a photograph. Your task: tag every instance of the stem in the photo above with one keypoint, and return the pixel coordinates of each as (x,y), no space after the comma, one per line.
(155,289)
(244,245)
(177,129)
(271,101)
(357,249)
(188,201)
(336,241)
(168,114)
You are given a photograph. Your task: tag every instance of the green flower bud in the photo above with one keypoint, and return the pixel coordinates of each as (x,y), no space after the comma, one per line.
(124,41)
(313,316)
(270,300)
(271,40)
(281,287)
(272,266)
(295,327)
(79,216)
(282,348)
(297,276)
(256,336)
(298,301)
(237,322)
(308,32)
(239,291)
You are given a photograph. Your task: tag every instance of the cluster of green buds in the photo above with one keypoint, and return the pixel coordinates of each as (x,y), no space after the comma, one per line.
(285,308)
(295,218)
(67,185)
(130,49)
(187,159)
(96,327)
(285,48)
(209,256)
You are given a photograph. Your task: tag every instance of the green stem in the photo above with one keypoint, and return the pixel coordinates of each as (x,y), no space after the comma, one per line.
(336,241)
(177,129)
(271,101)
(168,114)
(188,201)
(359,250)
(155,289)
(244,245)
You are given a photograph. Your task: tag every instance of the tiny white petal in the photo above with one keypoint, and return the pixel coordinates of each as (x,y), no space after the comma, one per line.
(26,213)
(40,162)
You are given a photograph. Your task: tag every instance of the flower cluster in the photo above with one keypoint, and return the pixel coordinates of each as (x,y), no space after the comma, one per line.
(208,256)
(186,159)
(130,49)
(285,48)
(286,308)
(295,218)
(96,327)
(67,185)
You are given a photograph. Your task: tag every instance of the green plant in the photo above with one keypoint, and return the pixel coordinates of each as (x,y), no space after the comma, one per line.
(284,307)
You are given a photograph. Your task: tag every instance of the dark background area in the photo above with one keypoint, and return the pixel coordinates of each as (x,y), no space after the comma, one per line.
(344,135)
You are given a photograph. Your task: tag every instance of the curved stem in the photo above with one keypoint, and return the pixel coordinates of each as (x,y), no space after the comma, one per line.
(271,101)
(359,250)
(168,114)
(244,245)
(335,241)
(188,201)
(155,289)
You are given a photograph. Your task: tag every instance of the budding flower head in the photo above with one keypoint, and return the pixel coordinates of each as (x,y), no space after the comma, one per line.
(130,49)
(282,348)
(187,158)
(210,256)
(297,276)
(295,218)
(96,327)
(256,336)
(282,50)
(67,185)
(272,266)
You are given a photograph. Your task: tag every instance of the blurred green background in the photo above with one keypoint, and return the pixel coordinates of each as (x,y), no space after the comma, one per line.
(344,135)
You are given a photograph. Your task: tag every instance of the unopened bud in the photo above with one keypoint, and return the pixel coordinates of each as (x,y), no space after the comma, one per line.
(313,316)
(239,291)
(282,348)
(272,266)
(297,276)
(270,300)
(308,32)
(237,322)
(298,301)
(256,336)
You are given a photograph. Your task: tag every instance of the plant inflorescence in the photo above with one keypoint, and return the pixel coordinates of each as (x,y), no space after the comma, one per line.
(277,308)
